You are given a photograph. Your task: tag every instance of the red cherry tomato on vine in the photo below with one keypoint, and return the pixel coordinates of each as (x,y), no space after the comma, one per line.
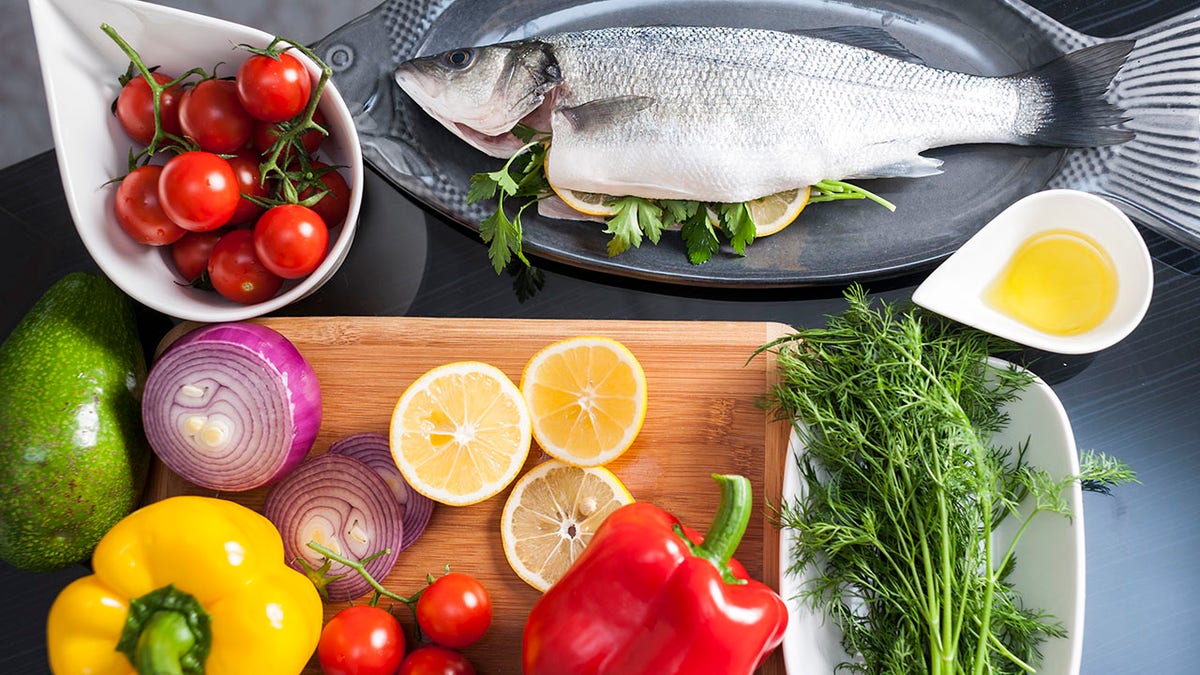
(245,167)
(198,191)
(273,89)
(335,204)
(361,640)
(236,272)
(436,660)
(290,240)
(139,211)
(455,610)
(211,114)
(190,254)
(135,108)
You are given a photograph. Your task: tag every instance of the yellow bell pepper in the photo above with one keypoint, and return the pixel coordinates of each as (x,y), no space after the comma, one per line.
(186,585)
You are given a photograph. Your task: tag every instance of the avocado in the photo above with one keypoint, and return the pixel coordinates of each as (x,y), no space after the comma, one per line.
(73,457)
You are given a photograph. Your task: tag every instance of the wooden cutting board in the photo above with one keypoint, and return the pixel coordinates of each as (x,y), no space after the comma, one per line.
(703,418)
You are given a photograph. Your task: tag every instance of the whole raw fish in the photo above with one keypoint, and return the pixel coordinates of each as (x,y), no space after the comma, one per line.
(732,114)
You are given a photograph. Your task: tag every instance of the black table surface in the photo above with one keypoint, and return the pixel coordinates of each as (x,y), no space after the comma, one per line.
(1138,400)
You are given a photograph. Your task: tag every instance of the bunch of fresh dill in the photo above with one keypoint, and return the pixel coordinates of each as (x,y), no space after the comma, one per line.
(904,490)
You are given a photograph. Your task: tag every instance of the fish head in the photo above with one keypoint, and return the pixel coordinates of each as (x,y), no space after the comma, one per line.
(481,93)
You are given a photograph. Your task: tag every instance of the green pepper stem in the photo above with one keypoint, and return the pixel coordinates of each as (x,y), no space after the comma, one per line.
(728,524)
(167,632)
(165,638)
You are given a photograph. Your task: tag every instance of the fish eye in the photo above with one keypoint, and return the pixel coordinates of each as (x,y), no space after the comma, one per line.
(459,58)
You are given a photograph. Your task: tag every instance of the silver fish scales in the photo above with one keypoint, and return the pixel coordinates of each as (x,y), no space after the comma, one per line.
(730,114)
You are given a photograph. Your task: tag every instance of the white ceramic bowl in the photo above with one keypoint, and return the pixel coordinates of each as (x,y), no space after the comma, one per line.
(1050,569)
(80,66)
(956,289)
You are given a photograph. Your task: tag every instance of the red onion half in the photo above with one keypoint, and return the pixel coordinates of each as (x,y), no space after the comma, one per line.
(232,406)
(375,451)
(343,505)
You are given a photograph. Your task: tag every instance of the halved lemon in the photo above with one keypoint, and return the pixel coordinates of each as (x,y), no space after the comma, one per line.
(460,433)
(775,212)
(589,203)
(587,399)
(551,515)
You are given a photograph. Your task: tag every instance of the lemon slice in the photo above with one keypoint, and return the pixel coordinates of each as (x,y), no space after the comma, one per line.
(771,213)
(551,515)
(775,212)
(587,399)
(460,433)
(588,203)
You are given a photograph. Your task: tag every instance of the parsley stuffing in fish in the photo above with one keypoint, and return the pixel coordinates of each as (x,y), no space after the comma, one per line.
(696,127)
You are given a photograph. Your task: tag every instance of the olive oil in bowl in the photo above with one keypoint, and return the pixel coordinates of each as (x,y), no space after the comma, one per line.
(1058,281)
(1061,270)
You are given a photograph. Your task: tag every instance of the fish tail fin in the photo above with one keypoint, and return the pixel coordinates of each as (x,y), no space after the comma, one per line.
(1155,177)
(1072,109)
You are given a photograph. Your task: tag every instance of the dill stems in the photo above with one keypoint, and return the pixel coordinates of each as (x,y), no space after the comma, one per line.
(903,491)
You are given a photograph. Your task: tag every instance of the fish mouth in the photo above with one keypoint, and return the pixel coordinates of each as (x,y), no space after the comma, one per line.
(503,144)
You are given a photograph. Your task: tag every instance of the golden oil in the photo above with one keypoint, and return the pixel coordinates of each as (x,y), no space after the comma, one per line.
(1058,281)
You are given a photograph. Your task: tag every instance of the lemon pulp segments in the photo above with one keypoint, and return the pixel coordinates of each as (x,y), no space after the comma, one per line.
(775,212)
(460,433)
(587,399)
(551,515)
(587,203)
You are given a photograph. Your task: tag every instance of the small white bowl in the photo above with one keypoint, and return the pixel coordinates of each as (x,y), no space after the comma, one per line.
(1050,572)
(80,66)
(957,288)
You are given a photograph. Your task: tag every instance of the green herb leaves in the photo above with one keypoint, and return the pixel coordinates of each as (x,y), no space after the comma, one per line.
(904,490)
(703,225)
(521,178)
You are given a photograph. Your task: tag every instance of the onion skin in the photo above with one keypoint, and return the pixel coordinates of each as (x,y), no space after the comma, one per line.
(232,406)
(374,450)
(335,498)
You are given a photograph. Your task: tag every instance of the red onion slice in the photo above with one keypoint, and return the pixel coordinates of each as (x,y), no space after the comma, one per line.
(374,450)
(232,406)
(343,505)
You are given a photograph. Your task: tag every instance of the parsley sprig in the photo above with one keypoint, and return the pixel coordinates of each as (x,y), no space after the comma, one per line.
(703,225)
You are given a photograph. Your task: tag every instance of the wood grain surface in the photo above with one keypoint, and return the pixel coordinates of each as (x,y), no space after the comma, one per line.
(703,418)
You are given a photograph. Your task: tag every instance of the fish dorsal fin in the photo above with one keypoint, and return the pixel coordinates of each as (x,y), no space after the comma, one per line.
(602,111)
(866,37)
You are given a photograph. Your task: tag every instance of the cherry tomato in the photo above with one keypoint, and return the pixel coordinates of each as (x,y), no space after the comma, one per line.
(135,108)
(190,254)
(290,240)
(245,167)
(335,204)
(273,89)
(236,272)
(198,191)
(265,133)
(361,640)
(139,211)
(211,115)
(436,660)
(455,610)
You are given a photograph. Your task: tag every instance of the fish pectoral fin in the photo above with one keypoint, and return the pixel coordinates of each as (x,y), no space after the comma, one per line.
(914,167)
(603,111)
(866,37)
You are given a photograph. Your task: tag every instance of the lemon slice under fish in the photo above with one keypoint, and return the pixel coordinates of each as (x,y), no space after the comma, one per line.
(588,203)
(775,212)
(771,213)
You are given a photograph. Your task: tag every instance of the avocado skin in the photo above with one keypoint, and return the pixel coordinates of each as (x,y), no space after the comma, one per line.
(73,456)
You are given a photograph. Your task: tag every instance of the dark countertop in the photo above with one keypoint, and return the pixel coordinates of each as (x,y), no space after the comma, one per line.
(1137,400)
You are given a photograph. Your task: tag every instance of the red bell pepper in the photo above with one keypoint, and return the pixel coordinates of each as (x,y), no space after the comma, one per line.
(644,598)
